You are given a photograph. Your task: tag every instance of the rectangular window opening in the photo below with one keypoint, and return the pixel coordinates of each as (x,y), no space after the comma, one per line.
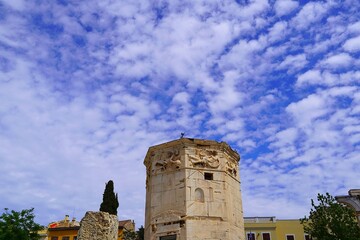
(251,236)
(266,236)
(208,176)
(290,237)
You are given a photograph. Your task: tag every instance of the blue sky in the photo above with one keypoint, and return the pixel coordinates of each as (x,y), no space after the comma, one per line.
(86,87)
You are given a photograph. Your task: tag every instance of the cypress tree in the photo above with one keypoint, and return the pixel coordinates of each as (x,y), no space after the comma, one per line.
(110,199)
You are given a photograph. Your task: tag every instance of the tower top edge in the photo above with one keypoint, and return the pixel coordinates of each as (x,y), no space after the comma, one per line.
(192,142)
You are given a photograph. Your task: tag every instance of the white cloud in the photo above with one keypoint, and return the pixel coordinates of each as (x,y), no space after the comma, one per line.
(308,109)
(278,31)
(247,144)
(309,77)
(311,13)
(352,44)
(181,98)
(355,27)
(16,4)
(340,60)
(325,78)
(321,124)
(285,137)
(256,7)
(293,63)
(244,56)
(285,7)
(226,99)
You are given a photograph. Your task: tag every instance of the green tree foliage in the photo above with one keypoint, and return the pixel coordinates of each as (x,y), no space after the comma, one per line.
(140,233)
(19,225)
(129,235)
(110,199)
(330,220)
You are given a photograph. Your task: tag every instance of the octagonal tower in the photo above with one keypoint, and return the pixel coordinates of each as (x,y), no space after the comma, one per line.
(193,191)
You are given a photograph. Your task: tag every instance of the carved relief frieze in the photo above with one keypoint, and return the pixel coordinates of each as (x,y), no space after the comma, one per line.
(231,168)
(204,158)
(166,160)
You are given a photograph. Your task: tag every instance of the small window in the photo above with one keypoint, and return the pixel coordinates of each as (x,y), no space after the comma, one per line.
(251,236)
(65,238)
(208,176)
(75,238)
(290,237)
(54,238)
(266,236)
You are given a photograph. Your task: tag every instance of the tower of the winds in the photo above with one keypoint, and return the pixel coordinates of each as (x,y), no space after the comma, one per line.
(193,191)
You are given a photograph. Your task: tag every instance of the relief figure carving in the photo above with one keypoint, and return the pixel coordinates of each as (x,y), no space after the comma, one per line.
(168,160)
(204,158)
(231,168)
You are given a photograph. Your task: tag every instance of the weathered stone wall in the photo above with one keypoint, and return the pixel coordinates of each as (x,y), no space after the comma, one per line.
(193,191)
(98,226)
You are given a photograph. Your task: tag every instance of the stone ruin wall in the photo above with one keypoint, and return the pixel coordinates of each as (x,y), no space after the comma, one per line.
(98,226)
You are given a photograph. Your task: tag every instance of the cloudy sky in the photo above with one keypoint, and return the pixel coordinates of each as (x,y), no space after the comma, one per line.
(87,86)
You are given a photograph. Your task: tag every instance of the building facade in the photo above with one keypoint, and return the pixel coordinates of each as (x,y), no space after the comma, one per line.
(270,228)
(193,191)
(63,229)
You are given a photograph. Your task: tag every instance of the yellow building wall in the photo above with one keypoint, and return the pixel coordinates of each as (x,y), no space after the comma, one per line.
(72,234)
(277,229)
(289,227)
(259,228)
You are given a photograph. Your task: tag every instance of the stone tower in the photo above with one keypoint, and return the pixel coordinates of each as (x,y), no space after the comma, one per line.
(193,191)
